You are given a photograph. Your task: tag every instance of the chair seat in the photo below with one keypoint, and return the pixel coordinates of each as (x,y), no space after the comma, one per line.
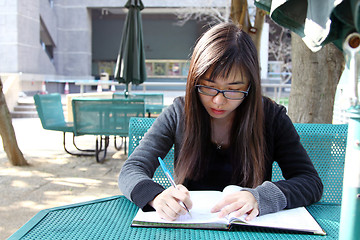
(66,127)
(154,108)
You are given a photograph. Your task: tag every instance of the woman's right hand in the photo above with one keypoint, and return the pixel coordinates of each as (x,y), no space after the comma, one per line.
(168,204)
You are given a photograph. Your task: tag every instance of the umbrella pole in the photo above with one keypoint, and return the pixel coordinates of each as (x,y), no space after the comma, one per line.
(126,93)
(350,206)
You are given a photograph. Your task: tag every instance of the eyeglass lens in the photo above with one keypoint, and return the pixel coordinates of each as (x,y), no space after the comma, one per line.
(227,93)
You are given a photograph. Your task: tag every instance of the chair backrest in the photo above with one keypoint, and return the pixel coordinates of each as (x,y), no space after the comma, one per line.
(150,98)
(154,102)
(95,116)
(50,111)
(120,95)
(325,144)
(326,147)
(137,129)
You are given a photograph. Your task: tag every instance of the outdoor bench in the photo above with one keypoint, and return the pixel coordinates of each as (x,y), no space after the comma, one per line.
(104,118)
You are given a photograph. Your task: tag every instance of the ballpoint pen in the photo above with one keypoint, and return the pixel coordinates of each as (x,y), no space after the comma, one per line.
(170,178)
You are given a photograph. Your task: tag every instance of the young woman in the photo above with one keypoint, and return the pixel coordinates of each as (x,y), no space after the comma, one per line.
(225,132)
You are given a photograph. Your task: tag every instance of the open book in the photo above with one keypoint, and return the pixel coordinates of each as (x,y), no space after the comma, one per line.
(297,219)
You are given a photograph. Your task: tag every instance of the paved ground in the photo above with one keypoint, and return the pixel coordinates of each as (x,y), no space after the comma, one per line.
(54,178)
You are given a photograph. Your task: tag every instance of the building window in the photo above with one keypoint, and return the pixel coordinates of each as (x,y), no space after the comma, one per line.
(46,41)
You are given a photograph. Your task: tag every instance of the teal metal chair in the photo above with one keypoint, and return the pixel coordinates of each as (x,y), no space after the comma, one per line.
(154,102)
(137,128)
(325,144)
(51,114)
(104,118)
(326,147)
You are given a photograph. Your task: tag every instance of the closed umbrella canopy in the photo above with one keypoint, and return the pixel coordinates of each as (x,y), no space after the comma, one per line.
(318,22)
(130,65)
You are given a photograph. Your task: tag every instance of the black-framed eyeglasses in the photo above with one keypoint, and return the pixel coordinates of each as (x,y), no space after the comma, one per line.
(229,94)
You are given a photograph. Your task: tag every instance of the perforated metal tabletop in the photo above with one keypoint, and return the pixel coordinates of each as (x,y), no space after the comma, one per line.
(110,218)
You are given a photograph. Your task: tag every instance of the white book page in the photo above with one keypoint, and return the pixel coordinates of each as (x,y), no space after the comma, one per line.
(295,219)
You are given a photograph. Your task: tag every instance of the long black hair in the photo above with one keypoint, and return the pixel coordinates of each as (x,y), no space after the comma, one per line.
(224,48)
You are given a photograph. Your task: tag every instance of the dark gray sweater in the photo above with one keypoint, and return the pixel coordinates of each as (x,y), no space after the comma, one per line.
(301,187)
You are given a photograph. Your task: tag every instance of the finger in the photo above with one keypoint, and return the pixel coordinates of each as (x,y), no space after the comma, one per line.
(252,215)
(227,200)
(243,210)
(177,208)
(167,206)
(171,211)
(217,207)
(221,204)
(229,209)
(183,195)
(183,190)
(164,213)
(188,203)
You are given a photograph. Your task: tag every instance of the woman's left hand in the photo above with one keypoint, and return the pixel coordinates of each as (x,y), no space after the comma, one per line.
(239,202)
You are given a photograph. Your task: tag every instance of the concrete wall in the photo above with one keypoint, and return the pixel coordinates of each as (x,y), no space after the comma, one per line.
(20,48)
(32,58)
(73,52)
(8,36)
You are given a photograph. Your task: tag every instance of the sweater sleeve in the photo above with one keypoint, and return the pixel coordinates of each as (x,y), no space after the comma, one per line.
(269,197)
(135,178)
(302,185)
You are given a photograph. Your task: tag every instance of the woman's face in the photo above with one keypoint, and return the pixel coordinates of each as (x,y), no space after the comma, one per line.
(218,106)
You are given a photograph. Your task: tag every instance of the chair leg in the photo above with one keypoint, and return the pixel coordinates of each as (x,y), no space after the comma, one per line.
(74,154)
(98,148)
(107,138)
(82,150)
(125,147)
(115,143)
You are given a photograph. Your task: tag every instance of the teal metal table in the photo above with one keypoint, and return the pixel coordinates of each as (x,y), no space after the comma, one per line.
(110,218)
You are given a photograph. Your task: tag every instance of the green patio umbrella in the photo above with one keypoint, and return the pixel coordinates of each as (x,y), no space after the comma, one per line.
(318,22)
(130,64)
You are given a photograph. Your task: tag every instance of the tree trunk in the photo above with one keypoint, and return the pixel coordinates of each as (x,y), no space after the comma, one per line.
(258,27)
(240,15)
(314,80)
(7,133)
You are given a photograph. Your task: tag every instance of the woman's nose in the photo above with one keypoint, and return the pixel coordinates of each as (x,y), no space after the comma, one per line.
(219,99)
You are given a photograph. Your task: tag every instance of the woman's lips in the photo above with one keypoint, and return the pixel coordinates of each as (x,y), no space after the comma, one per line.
(217,111)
